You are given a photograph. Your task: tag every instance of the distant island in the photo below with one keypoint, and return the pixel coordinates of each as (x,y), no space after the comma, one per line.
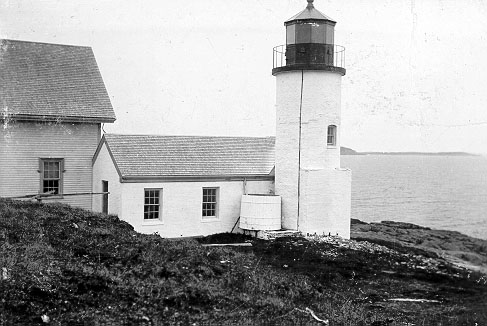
(349,151)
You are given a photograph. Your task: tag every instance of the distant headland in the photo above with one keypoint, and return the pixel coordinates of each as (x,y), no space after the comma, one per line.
(349,151)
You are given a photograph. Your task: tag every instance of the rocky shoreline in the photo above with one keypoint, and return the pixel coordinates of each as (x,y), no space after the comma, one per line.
(455,247)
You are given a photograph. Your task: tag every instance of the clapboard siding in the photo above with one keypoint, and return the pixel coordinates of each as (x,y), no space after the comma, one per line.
(23,143)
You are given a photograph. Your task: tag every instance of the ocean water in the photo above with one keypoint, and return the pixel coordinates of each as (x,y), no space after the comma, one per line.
(441,192)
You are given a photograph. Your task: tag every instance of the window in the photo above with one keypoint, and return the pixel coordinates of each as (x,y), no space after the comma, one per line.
(210,203)
(51,171)
(332,135)
(152,204)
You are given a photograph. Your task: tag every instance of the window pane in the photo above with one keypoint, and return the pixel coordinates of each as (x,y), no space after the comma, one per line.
(331,139)
(303,33)
(318,33)
(330,34)
(46,169)
(290,34)
(51,170)
(50,186)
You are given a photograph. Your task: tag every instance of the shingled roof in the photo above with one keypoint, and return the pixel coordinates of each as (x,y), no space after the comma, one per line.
(40,81)
(166,157)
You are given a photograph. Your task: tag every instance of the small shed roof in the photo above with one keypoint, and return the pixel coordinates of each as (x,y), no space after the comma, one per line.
(155,156)
(52,81)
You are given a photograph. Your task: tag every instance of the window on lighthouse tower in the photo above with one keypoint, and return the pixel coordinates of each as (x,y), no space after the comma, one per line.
(332,135)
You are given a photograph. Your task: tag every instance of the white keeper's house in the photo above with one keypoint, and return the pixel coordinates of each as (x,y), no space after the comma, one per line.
(54,102)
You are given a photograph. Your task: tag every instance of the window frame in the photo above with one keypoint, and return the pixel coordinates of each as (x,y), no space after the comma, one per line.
(334,134)
(60,179)
(216,209)
(159,205)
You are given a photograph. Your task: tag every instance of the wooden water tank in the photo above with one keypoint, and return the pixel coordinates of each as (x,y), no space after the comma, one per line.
(260,212)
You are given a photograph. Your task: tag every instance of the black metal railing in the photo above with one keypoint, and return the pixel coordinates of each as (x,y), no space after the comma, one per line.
(311,54)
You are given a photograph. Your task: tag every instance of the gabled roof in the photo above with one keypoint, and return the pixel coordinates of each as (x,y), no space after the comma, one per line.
(40,81)
(309,13)
(166,157)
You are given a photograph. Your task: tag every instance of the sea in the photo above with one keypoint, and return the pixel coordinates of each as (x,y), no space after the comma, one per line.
(442,192)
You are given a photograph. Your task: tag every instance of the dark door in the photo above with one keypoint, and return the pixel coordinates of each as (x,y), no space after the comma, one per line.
(105,196)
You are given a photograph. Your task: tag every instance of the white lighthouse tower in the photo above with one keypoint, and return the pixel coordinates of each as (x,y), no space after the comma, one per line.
(315,190)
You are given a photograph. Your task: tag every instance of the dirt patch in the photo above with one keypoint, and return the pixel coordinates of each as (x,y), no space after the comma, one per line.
(225,238)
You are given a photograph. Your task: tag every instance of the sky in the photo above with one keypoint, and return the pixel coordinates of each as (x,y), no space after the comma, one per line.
(416,69)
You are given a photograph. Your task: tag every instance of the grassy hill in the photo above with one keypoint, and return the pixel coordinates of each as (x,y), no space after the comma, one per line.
(74,267)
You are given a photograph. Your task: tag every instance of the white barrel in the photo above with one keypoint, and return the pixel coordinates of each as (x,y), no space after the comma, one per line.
(260,212)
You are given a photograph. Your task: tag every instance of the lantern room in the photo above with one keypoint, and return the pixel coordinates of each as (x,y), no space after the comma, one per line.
(310,26)
(310,43)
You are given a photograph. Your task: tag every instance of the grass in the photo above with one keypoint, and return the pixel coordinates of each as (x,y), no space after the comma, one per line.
(81,268)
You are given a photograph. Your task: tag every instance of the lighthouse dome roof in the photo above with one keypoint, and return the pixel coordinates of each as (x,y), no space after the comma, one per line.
(309,13)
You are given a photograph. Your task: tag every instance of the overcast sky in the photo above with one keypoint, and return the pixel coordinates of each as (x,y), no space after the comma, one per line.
(416,69)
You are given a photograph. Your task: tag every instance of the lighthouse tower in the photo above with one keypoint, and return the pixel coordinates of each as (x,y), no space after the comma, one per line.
(315,190)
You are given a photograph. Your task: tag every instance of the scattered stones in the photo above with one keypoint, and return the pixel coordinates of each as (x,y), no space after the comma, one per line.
(5,274)
(45,319)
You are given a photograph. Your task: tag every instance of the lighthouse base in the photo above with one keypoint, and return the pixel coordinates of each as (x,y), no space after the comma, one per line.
(325,201)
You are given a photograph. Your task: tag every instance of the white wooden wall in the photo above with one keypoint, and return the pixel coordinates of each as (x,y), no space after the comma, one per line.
(23,143)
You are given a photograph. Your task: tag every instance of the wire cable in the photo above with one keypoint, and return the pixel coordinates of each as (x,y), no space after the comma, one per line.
(299,145)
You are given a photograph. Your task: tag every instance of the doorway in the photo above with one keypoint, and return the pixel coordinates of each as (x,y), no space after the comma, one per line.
(104,184)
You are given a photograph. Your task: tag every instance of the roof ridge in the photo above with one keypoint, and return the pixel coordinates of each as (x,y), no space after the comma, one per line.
(46,43)
(192,136)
